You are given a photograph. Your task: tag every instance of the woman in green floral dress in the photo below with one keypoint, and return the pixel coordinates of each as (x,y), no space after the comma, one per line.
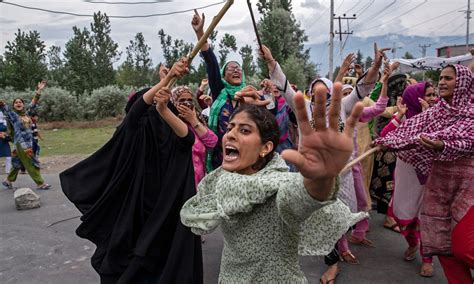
(267,214)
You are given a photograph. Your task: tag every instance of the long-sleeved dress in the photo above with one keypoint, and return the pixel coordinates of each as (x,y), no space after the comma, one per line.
(266,218)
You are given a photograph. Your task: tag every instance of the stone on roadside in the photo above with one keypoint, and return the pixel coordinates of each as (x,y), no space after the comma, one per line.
(25,199)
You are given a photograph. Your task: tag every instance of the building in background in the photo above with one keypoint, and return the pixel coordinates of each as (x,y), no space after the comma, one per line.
(452,50)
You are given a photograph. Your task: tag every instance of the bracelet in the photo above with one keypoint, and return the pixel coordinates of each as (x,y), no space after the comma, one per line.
(268,61)
(197,125)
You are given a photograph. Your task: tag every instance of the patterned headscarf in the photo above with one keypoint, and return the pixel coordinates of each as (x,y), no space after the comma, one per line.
(453,124)
(177,92)
(410,97)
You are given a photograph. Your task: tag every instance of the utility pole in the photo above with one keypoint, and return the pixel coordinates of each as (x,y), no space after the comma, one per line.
(394,50)
(318,68)
(468,17)
(423,54)
(331,41)
(340,32)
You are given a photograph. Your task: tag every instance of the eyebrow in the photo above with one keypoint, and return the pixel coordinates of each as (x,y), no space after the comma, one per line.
(241,124)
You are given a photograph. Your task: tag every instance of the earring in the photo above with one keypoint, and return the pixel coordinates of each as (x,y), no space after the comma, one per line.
(262,155)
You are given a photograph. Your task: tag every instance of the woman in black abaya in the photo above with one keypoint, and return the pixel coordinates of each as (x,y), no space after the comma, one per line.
(131,191)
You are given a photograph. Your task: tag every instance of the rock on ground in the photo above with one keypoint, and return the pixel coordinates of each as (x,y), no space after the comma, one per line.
(25,199)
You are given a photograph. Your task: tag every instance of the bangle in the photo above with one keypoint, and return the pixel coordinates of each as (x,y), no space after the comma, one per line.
(197,125)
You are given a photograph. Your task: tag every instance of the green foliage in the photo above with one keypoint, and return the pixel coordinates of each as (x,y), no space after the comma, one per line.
(57,104)
(358,59)
(173,50)
(294,71)
(226,45)
(408,55)
(56,76)
(108,101)
(248,64)
(23,63)
(280,31)
(137,69)
(89,57)
(368,62)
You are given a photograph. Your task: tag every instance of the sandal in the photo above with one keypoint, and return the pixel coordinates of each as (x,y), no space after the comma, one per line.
(410,253)
(348,257)
(324,279)
(427,270)
(393,227)
(7,184)
(363,242)
(44,186)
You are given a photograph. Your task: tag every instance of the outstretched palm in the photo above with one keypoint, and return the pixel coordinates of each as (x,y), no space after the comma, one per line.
(323,151)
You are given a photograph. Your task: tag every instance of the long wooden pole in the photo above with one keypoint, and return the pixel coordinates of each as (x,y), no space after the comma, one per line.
(206,35)
(358,159)
(254,25)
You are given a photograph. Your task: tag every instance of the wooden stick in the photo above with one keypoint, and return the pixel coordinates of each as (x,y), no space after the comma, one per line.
(254,25)
(358,159)
(206,35)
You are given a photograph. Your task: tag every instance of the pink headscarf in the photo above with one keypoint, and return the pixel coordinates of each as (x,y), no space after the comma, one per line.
(453,124)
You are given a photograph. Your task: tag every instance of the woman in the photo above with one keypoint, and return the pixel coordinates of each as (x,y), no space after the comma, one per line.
(439,143)
(5,150)
(23,154)
(131,190)
(265,211)
(408,192)
(224,84)
(182,99)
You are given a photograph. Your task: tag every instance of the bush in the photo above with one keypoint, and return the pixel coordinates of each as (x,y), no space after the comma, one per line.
(105,102)
(57,104)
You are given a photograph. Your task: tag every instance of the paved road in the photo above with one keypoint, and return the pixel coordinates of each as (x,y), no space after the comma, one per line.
(32,252)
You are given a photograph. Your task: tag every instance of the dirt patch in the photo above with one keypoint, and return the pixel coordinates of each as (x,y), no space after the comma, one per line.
(112,121)
(57,164)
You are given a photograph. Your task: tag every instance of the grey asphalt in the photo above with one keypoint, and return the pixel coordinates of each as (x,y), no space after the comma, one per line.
(32,252)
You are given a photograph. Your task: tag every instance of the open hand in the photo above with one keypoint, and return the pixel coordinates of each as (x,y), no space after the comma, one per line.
(401,107)
(347,63)
(436,145)
(424,104)
(323,152)
(379,55)
(41,85)
(188,114)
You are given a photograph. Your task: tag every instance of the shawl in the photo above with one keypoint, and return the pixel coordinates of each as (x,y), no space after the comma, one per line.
(220,198)
(410,97)
(453,124)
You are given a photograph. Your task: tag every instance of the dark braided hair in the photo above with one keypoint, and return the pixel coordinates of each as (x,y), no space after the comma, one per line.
(267,127)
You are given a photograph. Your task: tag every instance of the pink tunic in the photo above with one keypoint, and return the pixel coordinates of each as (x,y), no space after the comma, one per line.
(201,143)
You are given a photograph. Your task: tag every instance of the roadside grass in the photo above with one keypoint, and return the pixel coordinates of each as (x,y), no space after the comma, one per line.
(70,141)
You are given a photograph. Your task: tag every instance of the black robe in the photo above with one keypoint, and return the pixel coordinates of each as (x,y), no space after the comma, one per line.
(130,193)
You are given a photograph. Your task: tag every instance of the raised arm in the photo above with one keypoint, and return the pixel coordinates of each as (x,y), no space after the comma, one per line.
(162,98)
(381,104)
(345,67)
(278,77)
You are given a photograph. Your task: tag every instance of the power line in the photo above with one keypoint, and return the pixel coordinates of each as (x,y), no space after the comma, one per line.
(361,11)
(117,17)
(396,17)
(356,4)
(378,13)
(342,2)
(126,3)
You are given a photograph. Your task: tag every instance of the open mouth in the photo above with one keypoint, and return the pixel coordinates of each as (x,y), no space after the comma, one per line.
(230,153)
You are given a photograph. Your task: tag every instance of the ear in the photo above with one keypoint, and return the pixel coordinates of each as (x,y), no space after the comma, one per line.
(266,149)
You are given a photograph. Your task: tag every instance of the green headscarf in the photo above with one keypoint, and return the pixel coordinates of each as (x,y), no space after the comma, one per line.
(217,107)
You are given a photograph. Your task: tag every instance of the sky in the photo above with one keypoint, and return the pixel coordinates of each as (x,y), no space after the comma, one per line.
(374,17)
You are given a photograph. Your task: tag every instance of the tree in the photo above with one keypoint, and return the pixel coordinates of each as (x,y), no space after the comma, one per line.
(79,63)
(280,31)
(359,58)
(137,67)
(294,71)
(104,50)
(248,64)
(173,50)
(55,66)
(368,62)
(226,45)
(408,55)
(24,61)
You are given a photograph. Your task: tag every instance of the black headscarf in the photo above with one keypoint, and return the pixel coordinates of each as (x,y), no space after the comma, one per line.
(130,193)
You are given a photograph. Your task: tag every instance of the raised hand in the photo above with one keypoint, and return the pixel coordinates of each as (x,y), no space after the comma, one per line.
(358,70)
(250,95)
(401,108)
(345,67)
(180,68)
(424,104)
(387,71)
(323,152)
(379,55)
(162,97)
(41,85)
(163,71)
(188,114)
(267,56)
(395,66)
(198,24)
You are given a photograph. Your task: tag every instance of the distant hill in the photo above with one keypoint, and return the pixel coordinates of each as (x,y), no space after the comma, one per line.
(320,52)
